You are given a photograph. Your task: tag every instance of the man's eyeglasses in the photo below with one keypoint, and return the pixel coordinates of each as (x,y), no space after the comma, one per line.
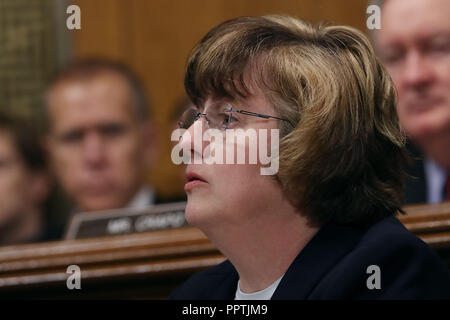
(219,119)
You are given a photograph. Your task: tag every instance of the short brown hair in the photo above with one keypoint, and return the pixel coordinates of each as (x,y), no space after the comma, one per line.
(342,162)
(25,137)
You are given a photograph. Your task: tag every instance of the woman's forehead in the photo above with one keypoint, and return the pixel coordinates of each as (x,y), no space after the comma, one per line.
(256,102)
(240,90)
(217,103)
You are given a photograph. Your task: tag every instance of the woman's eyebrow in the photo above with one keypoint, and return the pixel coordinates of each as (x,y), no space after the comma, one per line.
(198,108)
(217,104)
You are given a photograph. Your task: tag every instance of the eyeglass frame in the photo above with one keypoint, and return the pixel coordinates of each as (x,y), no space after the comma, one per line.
(241,111)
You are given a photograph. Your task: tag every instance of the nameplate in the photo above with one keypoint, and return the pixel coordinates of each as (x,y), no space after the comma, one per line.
(126,221)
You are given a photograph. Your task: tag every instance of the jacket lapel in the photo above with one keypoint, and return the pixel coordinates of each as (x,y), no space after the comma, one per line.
(226,280)
(330,244)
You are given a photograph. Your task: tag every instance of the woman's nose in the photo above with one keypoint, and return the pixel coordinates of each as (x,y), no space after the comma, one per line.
(193,140)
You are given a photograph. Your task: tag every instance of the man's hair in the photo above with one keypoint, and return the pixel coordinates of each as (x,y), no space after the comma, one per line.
(342,162)
(90,68)
(25,138)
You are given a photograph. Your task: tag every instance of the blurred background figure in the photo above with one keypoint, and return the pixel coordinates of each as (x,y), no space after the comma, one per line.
(24,184)
(414,44)
(100,138)
(183,103)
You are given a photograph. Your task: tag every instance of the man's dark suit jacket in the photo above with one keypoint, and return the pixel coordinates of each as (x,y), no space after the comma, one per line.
(416,182)
(333,265)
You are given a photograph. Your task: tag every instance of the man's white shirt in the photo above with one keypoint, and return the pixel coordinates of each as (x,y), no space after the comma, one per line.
(435,177)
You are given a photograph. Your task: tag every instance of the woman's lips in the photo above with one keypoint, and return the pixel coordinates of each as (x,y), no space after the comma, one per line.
(193,184)
(193,180)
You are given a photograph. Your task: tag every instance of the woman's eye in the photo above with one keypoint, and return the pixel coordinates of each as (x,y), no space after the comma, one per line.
(232,120)
(227,120)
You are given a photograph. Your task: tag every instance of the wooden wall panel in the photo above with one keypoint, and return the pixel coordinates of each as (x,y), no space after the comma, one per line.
(154,37)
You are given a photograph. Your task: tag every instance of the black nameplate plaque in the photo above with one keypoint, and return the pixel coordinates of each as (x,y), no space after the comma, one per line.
(126,221)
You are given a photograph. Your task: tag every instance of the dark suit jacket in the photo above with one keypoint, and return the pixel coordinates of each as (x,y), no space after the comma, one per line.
(416,182)
(334,263)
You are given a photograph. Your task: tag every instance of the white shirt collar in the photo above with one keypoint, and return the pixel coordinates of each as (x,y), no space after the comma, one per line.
(264,294)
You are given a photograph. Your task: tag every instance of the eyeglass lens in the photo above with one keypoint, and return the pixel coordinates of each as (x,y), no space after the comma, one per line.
(217,118)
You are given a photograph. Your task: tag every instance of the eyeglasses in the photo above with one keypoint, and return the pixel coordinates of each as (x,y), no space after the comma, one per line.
(219,118)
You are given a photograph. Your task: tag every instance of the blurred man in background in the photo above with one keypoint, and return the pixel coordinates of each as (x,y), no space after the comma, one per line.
(182,104)
(414,44)
(100,138)
(24,184)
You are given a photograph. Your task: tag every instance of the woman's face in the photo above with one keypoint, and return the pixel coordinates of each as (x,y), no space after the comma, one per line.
(221,195)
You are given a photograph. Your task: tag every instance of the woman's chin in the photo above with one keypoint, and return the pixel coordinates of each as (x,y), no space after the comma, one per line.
(200,213)
(195,213)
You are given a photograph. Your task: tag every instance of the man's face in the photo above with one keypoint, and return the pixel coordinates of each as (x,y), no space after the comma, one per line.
(98,147)
(414,44)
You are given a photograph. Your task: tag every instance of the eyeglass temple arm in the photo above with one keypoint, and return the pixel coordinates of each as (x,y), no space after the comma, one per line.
(265,116)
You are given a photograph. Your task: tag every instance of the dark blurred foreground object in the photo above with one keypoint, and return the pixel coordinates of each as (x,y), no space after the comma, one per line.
(152,264)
